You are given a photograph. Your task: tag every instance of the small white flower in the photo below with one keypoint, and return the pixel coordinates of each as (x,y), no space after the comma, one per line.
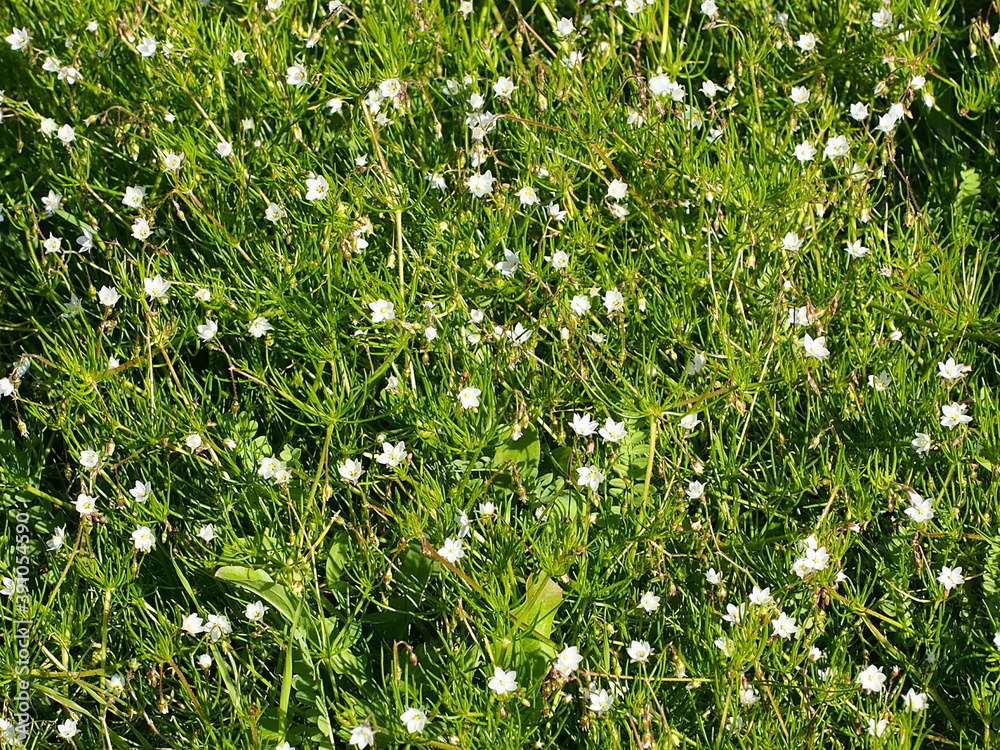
(469,397)
(951,578)
(207,330)
(953,414)
(194,441)
(510,263)
(143,539)
(259,327)
(134,196)
(382,310)
(649,602)
(612,432)
(589,476)
(921,442)
(296,76)
(914,701)
(760,597)
(207,532)
(67,729)
(568,661)
(414,720)
(255,611)
(872,679)
(351,470)
(504,87)
(815,347)
(690,421)
(503,682)
(147,47)
(614,301)
(617,190)
(784,626)
(639,651)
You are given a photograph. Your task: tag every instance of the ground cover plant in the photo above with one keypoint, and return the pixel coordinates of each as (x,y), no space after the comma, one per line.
(511,374)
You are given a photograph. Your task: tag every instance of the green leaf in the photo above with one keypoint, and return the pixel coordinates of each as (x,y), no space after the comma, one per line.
(259,582)
(537,612)
(337,555)
(524,453)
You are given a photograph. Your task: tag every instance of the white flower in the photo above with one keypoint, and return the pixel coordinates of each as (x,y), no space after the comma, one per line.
(882,18)
(503,682)
(143,539)
(469,397)
(510,263)
(876,728)
(760,597)
(791,242)
(859,111)
(807,42)
(362,736)
(351,470)
(259,326)
(58,537)
(203,295)
(66,134)
(85,504)
(914,701)
(662,86)
(784,626)
(856,249)
(255,611)
(141,492)
(274,213)
(194,441)
(583,425)
(953,414)
(921,442)
(614,301)
(559,259)
(382,310)
(799,95)
(871,679)
(171,161)
(193,625)
(414,720)
(205,661)
(568,661)
(480,184)
(18,39)
(837,147)
(147,47)
(565,27)
(734,613)
(555,212)
(208,329)
(528,196)
(880,382)
(617,190)
(134,196)
(89,459)
(504,87)
(580,304)
(141,229)
(589,476)
(709,8)
(815,347)
(748,696)
(613,431)
(452,550)
(217,626)
(207,532)
(639,651)
(690,421)
(951,578)
(296,76)
(649,602)
(951,370)
(600,701)
(392,455)
(67,729)
(805,151)
(695,490)
(713,576)
(224,148)
(317,188)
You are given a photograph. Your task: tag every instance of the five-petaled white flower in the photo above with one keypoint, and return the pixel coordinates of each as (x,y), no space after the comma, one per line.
(503,682)
(296,76)
(953,414)
(589,476)
(469,397)
(784,626)
(815,347)
(143,539)
(382,310)
(351,470)
(392,455)
(951,578)
(872,679)
(414,720)
(452,550)
(362,736)
(317,188)
(639,651)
